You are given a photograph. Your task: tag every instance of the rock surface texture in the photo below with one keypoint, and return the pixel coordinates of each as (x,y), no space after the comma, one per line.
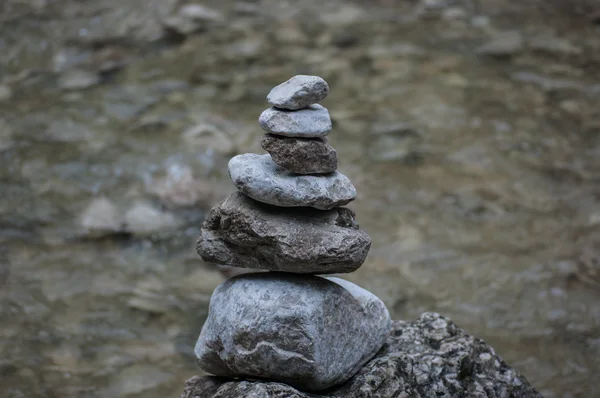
(301,155)
(313,121)
(262,179)
(301,330)
(244,233)
(298,92)
(430,357)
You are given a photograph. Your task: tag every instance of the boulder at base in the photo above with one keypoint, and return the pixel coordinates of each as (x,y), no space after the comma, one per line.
(306,331)
(430,357)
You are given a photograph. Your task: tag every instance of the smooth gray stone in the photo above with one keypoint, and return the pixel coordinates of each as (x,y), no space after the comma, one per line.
(428,357)
(301,155)
(245,233)
(306,331)
(313,121)
(262,179)
(298,92)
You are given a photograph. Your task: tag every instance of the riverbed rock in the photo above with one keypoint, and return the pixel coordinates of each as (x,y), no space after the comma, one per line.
(430,357)
(298,92)
(301,155)
(262,179)
(242,232)
(313,121)
(300,330)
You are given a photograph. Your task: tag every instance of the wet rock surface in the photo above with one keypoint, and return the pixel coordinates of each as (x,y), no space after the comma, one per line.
(430,357)
(313,121)
(245,233)
(263,180)
(301,330)
(301,155)
(298,92)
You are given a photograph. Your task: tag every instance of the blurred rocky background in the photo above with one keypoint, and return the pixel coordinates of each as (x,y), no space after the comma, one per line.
(471,129)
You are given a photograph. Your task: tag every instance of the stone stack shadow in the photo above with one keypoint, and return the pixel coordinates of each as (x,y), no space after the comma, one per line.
(289,325)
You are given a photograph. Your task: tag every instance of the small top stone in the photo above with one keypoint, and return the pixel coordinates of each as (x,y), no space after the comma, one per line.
(298,92)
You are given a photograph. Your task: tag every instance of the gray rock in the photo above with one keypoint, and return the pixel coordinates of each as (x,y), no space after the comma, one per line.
(244,233)
(313,121)
(77,79)
(505,44)
(430,357)
(300,330)
(262,179)
(298,92)
(192,18)
(301,155)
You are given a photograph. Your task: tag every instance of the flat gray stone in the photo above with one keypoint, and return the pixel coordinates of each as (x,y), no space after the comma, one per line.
(262,179)
(242,232)
(301,155)
(306,331)
(298,92)
(428,357)
(313,121)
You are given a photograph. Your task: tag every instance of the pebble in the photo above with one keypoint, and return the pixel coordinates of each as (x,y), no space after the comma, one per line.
(6,93)
(101,217)
(298,92)
(313,121)
(263,180)
(77,79)
(244,233)
(505,44)
(300,330)
(145,219)
(192,18)
(301,155)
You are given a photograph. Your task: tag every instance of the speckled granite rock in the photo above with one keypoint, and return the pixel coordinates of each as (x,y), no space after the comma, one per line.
(298,92)
(242,232)
(307,331)
(262,179)
(301,155)
(313,121)
(430,357)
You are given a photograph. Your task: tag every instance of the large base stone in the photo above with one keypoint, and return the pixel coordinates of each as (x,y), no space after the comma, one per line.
(242,232)
(306,331)
(262,179)
(430,357)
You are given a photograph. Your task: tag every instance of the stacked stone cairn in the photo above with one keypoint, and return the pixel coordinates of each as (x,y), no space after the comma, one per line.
(289,325)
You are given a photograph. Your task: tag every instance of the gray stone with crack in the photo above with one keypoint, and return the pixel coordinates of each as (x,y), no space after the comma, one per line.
(262,179)
(306,331)
(242,232)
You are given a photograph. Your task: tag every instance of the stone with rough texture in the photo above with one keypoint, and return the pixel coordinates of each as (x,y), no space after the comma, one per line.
(306,331)
(301,155)
(430,357)
(298,92)
(242,232)
(262,179)
(313,121)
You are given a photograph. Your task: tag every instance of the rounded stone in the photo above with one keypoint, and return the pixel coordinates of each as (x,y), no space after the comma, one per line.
(301,155)
(310,122)
(263,180)
(298,92)
(306,331)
